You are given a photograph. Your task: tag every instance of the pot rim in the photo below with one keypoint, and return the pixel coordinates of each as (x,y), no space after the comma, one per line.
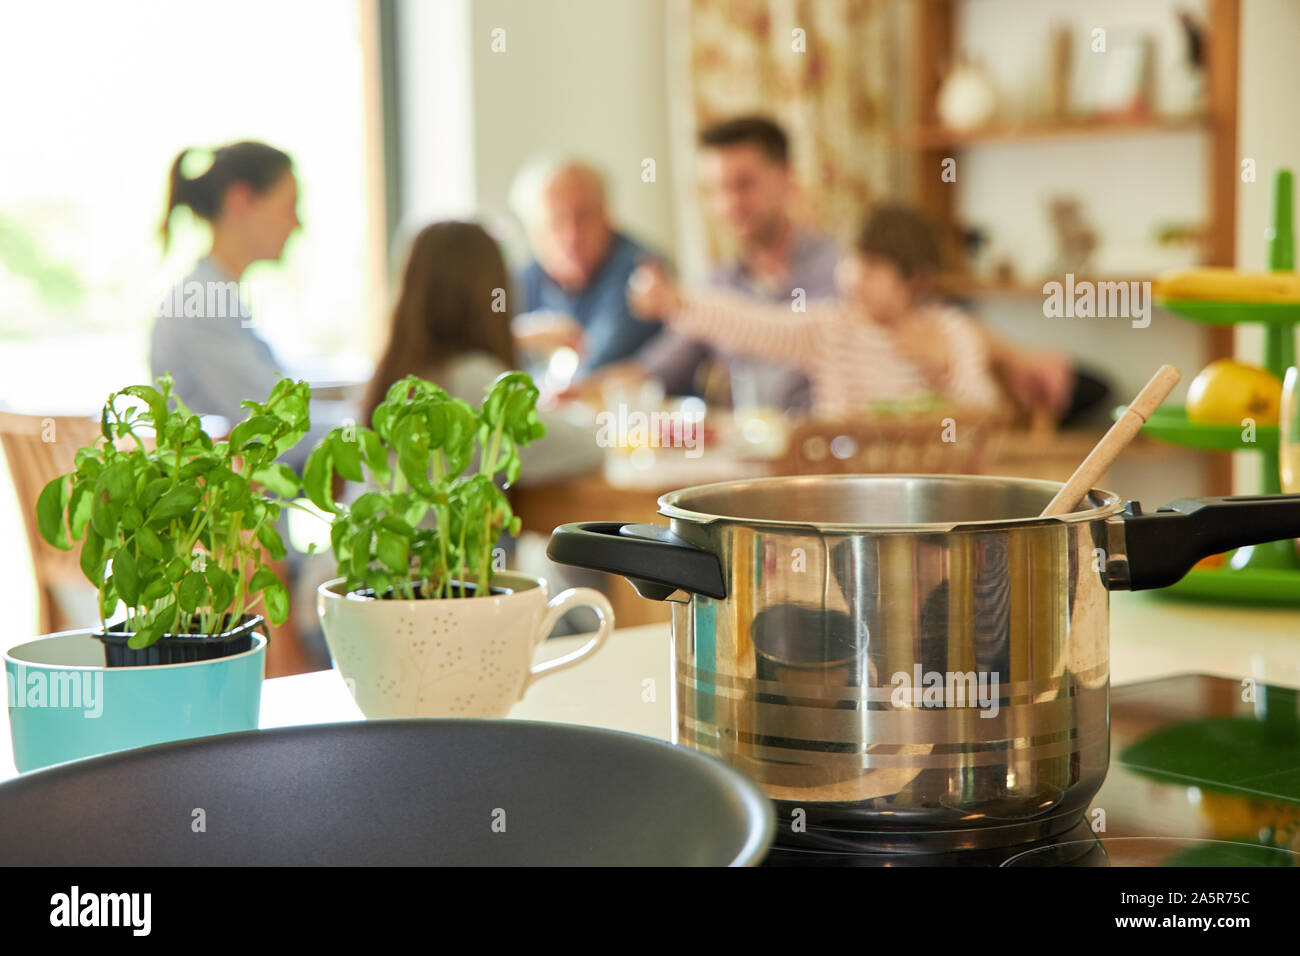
(259,645)
(527,583)
(668,506)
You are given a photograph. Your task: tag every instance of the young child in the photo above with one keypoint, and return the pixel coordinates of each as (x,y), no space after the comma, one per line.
(883,340)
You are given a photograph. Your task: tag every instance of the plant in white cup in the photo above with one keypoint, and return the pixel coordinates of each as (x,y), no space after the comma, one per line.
(419,622)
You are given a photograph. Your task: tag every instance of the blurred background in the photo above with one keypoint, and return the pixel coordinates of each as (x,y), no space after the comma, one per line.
(1154,153)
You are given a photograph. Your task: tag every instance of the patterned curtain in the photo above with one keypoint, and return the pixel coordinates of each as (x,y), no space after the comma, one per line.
(832,72)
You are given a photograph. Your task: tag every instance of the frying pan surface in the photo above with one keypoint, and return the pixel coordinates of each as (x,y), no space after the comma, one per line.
(390,792)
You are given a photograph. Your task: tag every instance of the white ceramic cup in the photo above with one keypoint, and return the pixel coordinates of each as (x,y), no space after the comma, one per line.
(451,657)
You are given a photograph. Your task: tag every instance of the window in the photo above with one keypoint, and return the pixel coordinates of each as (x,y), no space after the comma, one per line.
(98,100)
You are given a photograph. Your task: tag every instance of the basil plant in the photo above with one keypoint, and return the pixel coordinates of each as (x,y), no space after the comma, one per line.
(419,453)
(177,526)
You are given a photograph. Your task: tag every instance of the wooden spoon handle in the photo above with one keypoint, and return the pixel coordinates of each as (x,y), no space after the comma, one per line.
(1114,441)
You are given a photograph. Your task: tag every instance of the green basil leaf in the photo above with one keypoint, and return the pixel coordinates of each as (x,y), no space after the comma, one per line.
(148,543)
(270,539)
(276,597)
(50,507)
(392,550)
(280,478)
(368,505)
(359,548)
(413,460)
(257,429)
(92,557)
(347,457)
(125,577)
(147,635)
(153,490)
(181,500)
(376,456)
(193,591)
(273,592)
(157,404)
(396,525)
(158,586)
(318,474)
(416,512)
(116,478)
(222,584)
(79,508)
(102,517)
(176,569)
(131,517)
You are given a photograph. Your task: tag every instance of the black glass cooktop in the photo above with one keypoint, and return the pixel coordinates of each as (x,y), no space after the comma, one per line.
(1204,771)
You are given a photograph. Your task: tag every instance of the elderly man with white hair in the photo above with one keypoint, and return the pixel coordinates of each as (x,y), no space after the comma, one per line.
(581,265)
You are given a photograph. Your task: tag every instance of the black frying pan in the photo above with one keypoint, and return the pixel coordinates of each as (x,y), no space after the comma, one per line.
(390,792)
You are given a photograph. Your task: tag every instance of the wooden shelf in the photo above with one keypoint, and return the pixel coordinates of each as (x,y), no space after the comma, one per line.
(935,42)
(939,137)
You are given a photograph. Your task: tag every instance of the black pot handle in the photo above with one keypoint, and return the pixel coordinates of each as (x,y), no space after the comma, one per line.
(655,561)
(1162,546)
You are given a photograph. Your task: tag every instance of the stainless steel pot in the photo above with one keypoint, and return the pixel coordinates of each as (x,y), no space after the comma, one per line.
(919,658)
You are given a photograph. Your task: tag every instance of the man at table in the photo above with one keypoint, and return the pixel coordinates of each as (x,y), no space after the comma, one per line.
(574,291)
(745,167)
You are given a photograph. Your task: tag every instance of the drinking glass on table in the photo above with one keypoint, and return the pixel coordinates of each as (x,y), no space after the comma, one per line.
(550,344)
(761,424)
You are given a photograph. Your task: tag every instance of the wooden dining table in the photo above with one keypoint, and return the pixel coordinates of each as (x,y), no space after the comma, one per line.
(625,492)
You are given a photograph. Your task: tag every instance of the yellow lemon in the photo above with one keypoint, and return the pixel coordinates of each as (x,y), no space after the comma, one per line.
(1227,392)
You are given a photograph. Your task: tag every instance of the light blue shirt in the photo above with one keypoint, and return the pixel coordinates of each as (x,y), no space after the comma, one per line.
(203,336)
(611,332)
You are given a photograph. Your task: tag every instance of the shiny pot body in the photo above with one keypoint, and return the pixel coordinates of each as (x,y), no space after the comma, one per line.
(890,680)
(918,658)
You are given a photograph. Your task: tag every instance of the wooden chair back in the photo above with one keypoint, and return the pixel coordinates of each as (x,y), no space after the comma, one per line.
(38,449)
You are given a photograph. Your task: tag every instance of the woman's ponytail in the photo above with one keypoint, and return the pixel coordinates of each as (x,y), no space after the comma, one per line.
(176,196)
(199,178)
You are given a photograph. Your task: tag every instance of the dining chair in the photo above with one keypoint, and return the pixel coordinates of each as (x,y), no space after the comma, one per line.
(38,449)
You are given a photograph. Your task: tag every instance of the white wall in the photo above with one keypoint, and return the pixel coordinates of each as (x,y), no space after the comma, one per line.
(580,77)
(1268,129)
(435,105)
(1267,132)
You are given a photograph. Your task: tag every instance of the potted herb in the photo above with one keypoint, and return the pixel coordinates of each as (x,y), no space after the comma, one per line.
(178,527)
(420,621)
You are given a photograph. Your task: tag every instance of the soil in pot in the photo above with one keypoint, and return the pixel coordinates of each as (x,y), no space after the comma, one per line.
(457,591)
(180,648)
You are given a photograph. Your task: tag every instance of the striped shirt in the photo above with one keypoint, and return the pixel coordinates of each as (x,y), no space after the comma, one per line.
(851,361)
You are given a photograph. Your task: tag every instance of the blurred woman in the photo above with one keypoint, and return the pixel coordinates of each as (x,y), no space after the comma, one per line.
(451,326)
(203,334)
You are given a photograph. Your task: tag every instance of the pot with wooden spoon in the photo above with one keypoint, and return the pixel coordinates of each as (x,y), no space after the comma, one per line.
(911,659)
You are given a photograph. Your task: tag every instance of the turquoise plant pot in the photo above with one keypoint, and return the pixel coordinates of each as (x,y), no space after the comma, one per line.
(64,703)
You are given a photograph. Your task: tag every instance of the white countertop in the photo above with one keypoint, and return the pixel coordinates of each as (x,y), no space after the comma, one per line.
(626,685)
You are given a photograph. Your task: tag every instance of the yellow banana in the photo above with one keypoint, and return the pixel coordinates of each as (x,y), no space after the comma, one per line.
(1228,285)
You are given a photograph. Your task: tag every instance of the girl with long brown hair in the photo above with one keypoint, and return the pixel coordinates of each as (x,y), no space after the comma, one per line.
(451,325)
